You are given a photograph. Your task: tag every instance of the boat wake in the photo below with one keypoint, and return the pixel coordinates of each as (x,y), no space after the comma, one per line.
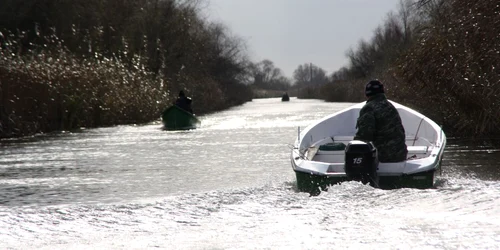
(458,213)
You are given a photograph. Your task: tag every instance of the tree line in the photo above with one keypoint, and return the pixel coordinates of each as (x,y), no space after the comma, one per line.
(266,77)
(440,57)
(66,65)
(71,64)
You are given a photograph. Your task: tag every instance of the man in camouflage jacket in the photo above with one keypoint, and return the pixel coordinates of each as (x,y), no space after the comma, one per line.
(380,123)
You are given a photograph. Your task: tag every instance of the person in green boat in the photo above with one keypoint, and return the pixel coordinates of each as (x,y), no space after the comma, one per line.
(380,123)
(184,102)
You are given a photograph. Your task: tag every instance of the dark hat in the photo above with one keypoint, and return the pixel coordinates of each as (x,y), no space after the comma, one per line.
(374,87)
(181,93)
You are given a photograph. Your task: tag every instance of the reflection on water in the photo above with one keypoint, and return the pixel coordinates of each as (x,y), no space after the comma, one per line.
(467,157)
(247,146)
(242,147)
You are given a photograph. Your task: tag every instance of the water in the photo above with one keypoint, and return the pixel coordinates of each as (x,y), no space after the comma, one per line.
(229,185)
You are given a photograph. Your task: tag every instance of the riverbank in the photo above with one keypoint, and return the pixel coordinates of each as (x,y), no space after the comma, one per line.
(65,66)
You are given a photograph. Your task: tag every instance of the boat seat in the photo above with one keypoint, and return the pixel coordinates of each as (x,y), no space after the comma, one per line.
(328,152)
(344,139)
(417,149)
(411,150)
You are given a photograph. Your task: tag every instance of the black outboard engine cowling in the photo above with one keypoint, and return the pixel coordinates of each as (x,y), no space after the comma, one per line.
(361,162)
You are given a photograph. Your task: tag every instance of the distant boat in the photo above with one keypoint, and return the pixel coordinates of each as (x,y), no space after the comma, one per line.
(325,153)
(285,98)
(175,118)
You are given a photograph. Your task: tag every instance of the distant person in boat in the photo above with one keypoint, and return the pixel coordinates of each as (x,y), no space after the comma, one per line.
(380,123)
(184,102)
(285,97)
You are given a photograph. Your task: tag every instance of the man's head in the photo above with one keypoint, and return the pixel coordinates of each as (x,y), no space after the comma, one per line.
(181,94)
(374,87)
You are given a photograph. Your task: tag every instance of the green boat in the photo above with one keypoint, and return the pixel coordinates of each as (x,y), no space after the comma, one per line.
(285,97)
(175,118)
(325,153)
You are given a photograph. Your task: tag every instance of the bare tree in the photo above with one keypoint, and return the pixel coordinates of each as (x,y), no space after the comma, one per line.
(267,76)
(310,74)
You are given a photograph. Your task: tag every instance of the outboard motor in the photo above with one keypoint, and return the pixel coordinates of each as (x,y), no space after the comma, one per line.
(361,162)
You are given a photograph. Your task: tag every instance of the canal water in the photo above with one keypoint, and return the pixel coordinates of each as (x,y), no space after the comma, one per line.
(230,185)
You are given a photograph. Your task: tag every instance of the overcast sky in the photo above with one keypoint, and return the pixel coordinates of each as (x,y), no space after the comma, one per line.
(294,32)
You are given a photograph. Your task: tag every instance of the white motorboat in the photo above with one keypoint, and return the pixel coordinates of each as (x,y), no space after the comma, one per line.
(319,154)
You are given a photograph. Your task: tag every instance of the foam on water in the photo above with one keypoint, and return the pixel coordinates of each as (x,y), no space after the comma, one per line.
(463,213)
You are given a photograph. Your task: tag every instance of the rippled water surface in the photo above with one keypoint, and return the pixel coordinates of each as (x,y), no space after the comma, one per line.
(229,185)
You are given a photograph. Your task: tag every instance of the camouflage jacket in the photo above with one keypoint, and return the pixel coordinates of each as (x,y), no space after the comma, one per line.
(379,122)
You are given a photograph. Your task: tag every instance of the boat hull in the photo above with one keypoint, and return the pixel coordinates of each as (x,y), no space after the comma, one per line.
(318,166)
(175,118)
(315,183)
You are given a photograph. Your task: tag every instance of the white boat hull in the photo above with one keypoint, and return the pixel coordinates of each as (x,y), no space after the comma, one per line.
(316,168)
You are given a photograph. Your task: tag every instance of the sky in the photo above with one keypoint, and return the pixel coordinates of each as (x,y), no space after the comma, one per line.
(294,32)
